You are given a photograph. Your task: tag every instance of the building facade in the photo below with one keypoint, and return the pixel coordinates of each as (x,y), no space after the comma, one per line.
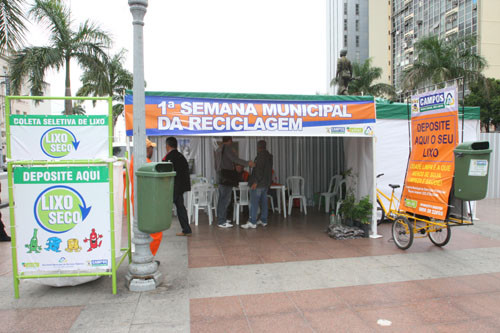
(395,26)
(347,28)
(20,107)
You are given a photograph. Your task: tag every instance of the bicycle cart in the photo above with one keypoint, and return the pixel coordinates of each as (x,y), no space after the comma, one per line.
(408,226)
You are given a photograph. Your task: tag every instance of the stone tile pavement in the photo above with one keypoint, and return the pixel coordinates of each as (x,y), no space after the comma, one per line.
(288,278)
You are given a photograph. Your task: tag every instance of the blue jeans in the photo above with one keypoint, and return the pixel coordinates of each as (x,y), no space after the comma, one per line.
(224,200)
(258,197)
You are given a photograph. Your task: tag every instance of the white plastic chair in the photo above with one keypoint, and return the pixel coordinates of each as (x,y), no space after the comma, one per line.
(339,193)
(270,198)
(242,200)
(332,192)
(202,199)
(295,186)
(198,180)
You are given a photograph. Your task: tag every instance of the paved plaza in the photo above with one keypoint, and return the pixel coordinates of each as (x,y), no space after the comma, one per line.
(287,277)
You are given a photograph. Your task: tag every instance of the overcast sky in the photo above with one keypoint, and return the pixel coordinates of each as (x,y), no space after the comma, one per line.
(259,46)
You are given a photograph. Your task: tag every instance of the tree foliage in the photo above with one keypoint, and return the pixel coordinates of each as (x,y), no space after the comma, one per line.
(107,78)
(438,60)
(86,44)
(488,100)
(364,76)
(12,25)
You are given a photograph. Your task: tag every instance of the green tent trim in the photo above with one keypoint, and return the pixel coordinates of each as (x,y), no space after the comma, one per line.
(385,109)
(256,96)
(400,111)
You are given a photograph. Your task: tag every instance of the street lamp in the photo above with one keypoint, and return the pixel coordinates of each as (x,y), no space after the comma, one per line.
(143,272)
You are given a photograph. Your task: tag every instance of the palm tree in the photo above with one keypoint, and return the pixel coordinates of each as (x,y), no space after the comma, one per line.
(11,24)
(107,78)
(438,60)
(85,45)
(364,75)
(77,109)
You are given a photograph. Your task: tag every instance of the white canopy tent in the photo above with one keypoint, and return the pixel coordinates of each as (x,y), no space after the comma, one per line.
(336,133)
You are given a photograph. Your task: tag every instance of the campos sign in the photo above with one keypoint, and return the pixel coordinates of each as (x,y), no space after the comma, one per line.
(431,167)
(444,99)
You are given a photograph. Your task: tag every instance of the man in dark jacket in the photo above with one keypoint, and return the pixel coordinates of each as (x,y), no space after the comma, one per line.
(225,159)
(259,183)
(182,183)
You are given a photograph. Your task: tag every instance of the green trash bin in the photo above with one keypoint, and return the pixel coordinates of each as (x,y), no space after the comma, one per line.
(471,170)
(155,191)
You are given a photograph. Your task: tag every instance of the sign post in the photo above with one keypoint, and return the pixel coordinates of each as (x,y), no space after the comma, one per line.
(60,176)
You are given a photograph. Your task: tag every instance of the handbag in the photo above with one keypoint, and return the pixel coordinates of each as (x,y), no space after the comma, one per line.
(228,177)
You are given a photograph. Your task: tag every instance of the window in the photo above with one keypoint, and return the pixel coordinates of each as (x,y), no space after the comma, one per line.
(357,9)
(357,25)
(345,40)
(357,41)
(345,8)
(345,24)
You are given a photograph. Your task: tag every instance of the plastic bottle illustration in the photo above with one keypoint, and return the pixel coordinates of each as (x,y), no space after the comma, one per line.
(33,245)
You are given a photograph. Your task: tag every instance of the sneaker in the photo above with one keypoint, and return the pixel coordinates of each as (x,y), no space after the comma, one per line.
(228,222)
(259,222)
(249,225)
(225,225)
(183,234)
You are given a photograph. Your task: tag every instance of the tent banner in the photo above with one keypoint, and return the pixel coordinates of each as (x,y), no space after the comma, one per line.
(167,115)
(45,137)
(429,176)
(62,218)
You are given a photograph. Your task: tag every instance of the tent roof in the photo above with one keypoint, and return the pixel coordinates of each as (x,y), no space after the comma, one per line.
(385,110)
(256,96)
(400,111)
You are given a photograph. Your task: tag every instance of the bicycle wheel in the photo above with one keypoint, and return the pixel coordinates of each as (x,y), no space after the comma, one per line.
(439,236)
(380,213)
(402,232)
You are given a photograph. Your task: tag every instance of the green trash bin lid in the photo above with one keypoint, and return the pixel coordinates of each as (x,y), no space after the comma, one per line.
(473,147)
(156,169)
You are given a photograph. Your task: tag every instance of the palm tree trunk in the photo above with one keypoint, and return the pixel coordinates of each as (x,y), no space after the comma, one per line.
(68,104)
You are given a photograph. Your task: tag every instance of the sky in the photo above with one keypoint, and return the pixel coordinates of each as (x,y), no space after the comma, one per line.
(258,46)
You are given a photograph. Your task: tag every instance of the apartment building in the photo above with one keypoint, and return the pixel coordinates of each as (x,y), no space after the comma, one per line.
(395,26)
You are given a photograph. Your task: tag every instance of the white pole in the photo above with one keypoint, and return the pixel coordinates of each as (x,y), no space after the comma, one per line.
(142,273)
(374,192)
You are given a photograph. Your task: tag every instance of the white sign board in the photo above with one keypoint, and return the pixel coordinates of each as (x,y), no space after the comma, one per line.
(39,137)
(62,218)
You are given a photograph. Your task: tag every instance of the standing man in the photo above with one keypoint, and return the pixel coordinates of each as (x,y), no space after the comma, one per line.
(225,159)
(259,183)
(3,235)
(182,183)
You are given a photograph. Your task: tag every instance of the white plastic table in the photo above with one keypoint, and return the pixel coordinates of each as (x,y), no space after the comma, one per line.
(281,188)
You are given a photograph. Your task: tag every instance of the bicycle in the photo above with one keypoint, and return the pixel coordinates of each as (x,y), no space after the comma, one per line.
(392,211)
(407,226)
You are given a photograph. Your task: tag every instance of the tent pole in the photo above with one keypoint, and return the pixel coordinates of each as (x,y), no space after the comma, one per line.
(374,193)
